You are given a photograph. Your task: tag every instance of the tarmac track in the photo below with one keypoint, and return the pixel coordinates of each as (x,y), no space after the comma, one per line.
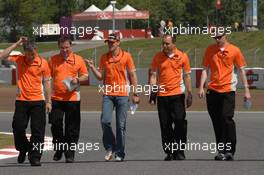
(144,152)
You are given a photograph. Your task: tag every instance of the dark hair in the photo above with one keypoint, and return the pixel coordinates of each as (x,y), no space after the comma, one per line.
(64,39)
(29,46)
(173,37)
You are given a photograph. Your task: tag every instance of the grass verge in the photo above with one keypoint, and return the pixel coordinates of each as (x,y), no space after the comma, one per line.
(6,140)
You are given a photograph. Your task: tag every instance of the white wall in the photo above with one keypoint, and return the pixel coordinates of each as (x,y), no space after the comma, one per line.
(257,74)
(255,77)
(6,76)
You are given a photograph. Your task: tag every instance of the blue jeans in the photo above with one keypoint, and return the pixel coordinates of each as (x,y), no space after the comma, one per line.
(116,144)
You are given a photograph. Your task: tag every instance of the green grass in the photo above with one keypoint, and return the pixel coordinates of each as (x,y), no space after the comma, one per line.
(6,140)
(144,50)
(250,43)
(42,47)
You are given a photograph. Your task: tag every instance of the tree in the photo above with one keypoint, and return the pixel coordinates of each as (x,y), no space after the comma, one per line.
(158,10)
(199,13)
(261,14)
(84,4)
(65,8)
(21,16)
(231,12)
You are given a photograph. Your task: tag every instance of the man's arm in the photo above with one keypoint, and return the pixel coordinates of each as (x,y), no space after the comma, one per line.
(241,64)
(80,79)
(96,73)
(7,51)
(83,78)
(188,83)
(47,87)
(153,82)
(245,83)
(133,77)
(134,82)
(153,78)
(202,82)
(82,73)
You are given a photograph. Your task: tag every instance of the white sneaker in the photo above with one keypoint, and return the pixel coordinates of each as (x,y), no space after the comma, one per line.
(118,159)
(108,155)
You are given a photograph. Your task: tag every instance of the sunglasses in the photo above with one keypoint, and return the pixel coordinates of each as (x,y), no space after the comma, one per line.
(111,42)
(218,37)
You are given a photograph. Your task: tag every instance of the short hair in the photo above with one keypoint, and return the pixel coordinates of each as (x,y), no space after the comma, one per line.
(29,46)
(173,37)
(64,39)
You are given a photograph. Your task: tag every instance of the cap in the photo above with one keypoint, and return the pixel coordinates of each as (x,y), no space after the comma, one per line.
(217,31)
(113,37)
(29,46)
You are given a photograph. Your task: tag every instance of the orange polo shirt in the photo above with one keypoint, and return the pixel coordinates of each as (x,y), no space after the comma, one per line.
(61,69)
(114,71)
(222,66)
(170,72)
(30,77)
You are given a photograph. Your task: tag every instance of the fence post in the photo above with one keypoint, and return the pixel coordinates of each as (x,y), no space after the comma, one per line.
(94,55)
(195,57)
(255,56)
(138,56)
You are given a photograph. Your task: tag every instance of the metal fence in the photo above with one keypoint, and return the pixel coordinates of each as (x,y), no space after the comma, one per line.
(254,57)
(143,57)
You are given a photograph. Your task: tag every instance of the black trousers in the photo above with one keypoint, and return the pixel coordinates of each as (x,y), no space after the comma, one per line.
(171,110)
(63,139)
(35,111)
(221,108)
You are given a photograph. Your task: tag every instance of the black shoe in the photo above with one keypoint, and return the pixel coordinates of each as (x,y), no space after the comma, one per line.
(69,156)
(168,157)
(179,156)
(229,157)
(57,156)
(21,157)
(34,161)
(219,156)
(69,160)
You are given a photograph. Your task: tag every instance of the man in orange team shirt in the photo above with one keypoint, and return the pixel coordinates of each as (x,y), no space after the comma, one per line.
(33,73)
(223,60)
(67,71)
(112,70)
(171,72)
